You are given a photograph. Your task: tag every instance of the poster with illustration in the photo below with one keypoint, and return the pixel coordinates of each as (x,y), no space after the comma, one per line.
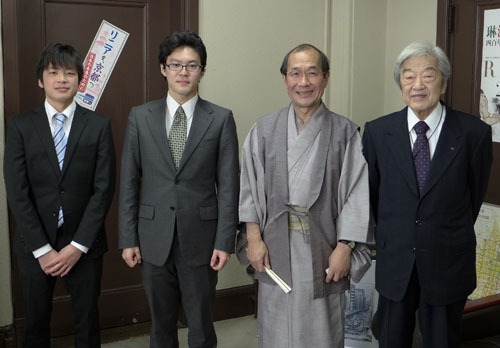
(361,305)
(489,102)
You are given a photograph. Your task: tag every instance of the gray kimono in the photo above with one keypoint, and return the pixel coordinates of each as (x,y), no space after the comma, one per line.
(338,199)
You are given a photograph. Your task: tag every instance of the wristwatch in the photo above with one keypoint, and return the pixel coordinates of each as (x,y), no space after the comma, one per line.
(351,244)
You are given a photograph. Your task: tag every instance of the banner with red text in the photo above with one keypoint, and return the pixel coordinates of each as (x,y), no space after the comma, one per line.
(99,63)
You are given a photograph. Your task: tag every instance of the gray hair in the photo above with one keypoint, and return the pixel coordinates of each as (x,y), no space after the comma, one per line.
(422,49)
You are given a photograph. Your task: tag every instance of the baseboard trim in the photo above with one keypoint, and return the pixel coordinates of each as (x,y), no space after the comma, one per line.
(235,302)
(7,336)
(229,303)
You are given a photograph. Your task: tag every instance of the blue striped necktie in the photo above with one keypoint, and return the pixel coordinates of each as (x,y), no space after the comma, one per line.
(60,142)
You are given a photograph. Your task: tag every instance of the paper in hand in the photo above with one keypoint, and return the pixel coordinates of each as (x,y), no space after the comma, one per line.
(284,286)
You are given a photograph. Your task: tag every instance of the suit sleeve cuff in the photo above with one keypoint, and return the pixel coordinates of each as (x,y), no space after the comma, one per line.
(42,251)
(84,249)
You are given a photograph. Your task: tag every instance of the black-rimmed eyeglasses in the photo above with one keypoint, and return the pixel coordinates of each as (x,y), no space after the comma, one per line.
(189,67)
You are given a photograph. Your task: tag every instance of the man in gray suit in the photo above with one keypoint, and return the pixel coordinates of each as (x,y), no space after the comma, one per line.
(179,195)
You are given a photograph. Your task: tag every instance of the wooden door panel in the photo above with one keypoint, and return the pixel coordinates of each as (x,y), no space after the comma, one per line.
(460,34)
(28,26)
(461,39)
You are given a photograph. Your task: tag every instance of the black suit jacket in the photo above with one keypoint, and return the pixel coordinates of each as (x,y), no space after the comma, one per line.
(36,187)
(434,230)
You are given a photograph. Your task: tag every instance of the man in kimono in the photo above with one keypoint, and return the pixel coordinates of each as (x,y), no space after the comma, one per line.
(304,199)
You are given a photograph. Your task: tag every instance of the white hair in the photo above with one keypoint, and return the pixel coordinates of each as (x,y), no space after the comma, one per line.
(422,49)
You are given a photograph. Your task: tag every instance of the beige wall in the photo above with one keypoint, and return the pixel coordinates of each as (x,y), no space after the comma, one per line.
(6,314)
(246,41)
(407,21)
(368,59)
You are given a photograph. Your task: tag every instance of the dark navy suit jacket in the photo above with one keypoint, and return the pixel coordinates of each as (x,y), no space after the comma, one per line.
(435,230)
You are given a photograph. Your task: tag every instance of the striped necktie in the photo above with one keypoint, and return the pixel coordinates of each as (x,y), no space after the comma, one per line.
(60,142)
(178,135)
(60,139)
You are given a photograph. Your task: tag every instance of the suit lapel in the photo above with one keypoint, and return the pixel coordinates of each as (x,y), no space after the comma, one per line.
(77,126)
(202,118)
(447,148)
(42,127)
(398,145)
(156,123)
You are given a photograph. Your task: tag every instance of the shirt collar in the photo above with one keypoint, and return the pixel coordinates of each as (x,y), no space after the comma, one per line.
(68,112)
(432,120)
(188,106)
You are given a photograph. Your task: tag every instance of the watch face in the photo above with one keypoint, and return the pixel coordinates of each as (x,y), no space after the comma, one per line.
(351,244)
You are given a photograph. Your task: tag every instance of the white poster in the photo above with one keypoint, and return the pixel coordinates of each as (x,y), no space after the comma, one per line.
(489,102)
(99,63)
(361,305)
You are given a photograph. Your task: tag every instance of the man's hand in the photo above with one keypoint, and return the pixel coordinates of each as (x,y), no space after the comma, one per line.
(64,261)
(45,259)
(339,263)
(132,256)
(219,259)
(257,252)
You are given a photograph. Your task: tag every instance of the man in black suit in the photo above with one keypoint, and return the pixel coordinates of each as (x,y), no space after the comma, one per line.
(429,168)
(59,170)
(179,192)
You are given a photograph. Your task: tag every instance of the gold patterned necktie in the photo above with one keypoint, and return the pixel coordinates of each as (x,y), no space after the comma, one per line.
(177,138)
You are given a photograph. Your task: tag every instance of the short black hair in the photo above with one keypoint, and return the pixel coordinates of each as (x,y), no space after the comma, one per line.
(59,55)
(325,66)
(180,39)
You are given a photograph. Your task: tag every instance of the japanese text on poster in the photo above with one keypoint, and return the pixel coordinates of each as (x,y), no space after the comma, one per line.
(99,63)
(489,102)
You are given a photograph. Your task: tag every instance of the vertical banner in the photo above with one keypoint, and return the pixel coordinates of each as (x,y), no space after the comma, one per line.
(489,100)
(99,63)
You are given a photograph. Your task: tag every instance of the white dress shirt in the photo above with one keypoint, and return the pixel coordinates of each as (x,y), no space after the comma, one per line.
(173,105)
(435,122)
(69,112)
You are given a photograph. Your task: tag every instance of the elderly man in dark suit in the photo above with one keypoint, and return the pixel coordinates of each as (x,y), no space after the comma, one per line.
(59,170)
(179,195)
(429,168)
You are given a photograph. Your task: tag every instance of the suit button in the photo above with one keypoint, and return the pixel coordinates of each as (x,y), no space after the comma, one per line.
(61,192)
(172,208)
(419,222)
(413,249)
(54,214)
(176,181)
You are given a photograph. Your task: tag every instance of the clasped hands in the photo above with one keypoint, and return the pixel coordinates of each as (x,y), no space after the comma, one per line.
(60,263)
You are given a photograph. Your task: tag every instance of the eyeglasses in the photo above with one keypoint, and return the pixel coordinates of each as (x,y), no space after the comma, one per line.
(310,75)
(189,67)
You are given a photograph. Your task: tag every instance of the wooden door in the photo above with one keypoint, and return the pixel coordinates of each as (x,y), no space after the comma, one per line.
(460,34)
(28,26)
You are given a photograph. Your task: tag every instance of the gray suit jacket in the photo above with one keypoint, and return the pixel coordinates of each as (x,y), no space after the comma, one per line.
(202,195)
